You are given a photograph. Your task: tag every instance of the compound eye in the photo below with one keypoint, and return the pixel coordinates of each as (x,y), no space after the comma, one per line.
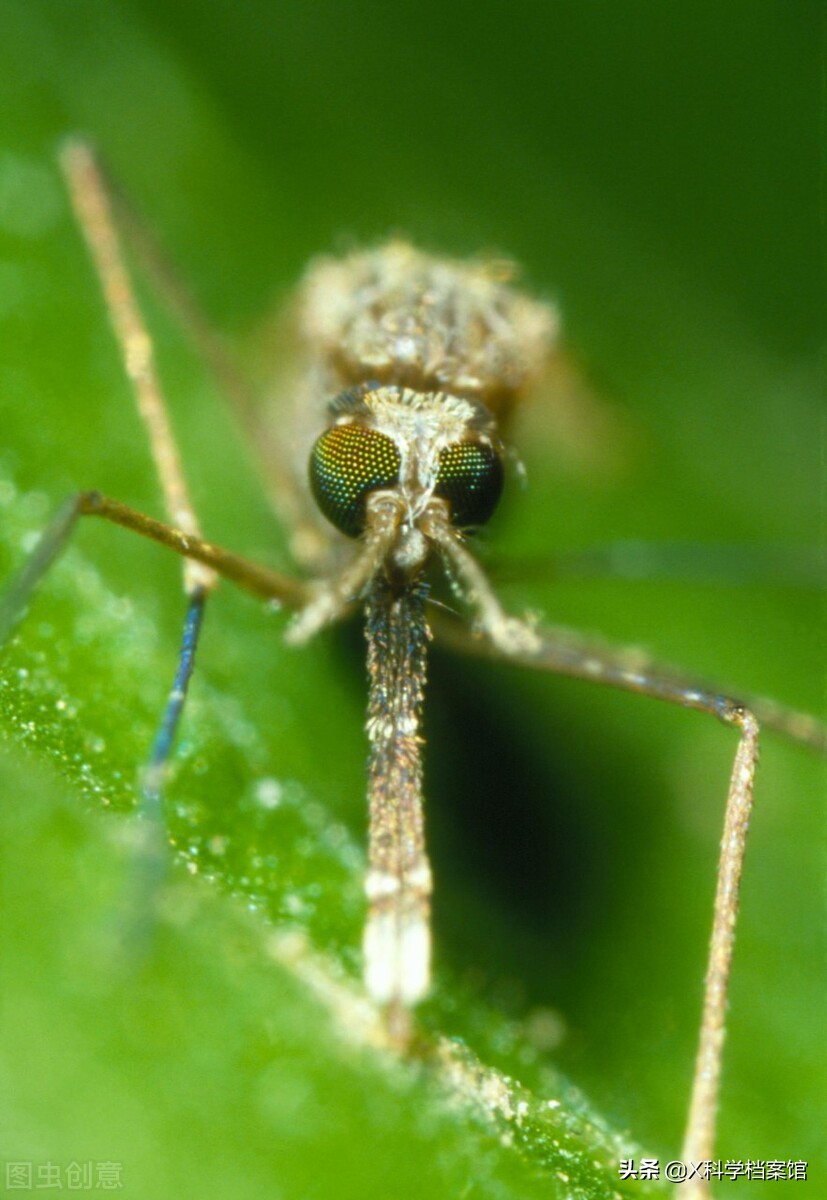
(346,464)
(470,478)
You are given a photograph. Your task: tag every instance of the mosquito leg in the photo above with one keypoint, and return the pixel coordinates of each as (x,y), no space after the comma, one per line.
(150,864)
(149,867)
(203,563)
(699,1137)
(563,652)
(155,769)
(276,468)
(90,200)
(92,208)
(507,635)
(280,589)
(566,652)
(14,603)
(284,590)
(268,585)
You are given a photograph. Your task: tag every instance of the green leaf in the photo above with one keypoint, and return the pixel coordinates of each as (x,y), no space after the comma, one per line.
(573,831)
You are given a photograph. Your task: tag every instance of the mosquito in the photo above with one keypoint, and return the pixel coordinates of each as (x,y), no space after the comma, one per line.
(396,453)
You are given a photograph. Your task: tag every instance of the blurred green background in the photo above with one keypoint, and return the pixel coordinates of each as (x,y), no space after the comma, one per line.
(654,167)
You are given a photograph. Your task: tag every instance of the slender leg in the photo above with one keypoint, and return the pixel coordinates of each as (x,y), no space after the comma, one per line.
(567,653)
(259,581)
(699,1138)
(93,211)
(150,865)
(14,603)
(563,652)
(508,635)
(265,436)
(155,769)
(203,562)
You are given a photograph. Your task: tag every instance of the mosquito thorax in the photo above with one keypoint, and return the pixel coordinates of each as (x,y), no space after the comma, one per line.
(420,446)
(396,314)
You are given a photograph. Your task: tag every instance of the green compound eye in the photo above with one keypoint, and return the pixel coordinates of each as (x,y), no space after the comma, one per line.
(346,464)
(470,478)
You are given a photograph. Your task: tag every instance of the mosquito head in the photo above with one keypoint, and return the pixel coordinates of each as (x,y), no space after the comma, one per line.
(424,450)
